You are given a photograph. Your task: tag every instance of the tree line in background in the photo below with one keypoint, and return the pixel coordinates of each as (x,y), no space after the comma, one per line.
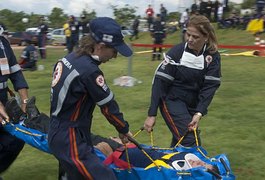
(13,20)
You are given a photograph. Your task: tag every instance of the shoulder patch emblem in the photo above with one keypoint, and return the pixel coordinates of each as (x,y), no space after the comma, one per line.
(209,59)
(100,81)
(57,73)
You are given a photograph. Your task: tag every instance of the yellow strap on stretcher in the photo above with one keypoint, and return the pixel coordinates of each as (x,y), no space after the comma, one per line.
(160,162)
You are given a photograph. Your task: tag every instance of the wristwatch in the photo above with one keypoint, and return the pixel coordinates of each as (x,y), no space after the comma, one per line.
(25,101)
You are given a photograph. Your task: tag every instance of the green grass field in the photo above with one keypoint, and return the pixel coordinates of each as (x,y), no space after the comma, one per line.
(233,126)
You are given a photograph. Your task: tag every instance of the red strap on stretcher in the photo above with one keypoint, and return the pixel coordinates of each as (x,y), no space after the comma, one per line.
(114,158)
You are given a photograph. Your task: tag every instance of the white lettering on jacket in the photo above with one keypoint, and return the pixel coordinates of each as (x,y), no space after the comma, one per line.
(67,63)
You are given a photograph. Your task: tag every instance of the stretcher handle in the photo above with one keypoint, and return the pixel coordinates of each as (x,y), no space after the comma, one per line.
(195,134)
(151,135)
(140,130)
(218,176)
(225,165)
(134,142)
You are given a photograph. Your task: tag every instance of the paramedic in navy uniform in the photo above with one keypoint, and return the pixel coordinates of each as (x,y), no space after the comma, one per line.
(10,146)
(78,85)
(42,37)
(185,82)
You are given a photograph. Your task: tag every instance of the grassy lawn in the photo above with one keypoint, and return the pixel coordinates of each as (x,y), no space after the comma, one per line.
(234,125)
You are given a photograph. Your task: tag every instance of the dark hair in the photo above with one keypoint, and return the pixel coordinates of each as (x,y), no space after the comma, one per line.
(86,46)
(215,171)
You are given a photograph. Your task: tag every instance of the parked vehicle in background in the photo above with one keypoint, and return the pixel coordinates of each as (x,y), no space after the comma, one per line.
(57,37)
(18,38)
(34,30)
(127,32)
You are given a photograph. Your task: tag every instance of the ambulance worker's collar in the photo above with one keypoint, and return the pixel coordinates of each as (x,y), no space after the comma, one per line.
(96,58)
(187,49)
(108,31)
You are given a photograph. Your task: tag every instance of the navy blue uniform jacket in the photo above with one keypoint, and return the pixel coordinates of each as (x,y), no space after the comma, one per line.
(78,85)
(15,75)
(193,86)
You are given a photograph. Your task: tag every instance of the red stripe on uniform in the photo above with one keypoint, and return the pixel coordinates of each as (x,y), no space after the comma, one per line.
(74,155)
(77,109)
(112,117)
(170,120)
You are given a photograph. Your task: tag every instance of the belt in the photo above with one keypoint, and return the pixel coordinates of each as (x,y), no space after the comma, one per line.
(3,85)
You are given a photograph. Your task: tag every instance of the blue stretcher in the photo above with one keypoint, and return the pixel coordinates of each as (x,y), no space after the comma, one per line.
(39,140)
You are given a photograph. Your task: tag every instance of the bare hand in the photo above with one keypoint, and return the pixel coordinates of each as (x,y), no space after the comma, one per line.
(194,122)
(149,123)
(124,138)
(3,115)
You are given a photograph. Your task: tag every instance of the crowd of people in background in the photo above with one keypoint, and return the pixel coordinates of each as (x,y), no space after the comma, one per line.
(157,21)
(219,12)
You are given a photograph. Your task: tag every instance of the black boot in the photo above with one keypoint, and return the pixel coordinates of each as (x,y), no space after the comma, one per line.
(31,109)
(14,111)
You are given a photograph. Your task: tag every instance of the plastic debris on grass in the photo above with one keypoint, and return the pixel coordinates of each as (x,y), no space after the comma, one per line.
(126,81)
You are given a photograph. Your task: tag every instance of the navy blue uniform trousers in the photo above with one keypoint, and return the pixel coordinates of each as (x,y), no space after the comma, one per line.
(177,116)
(10,146)
(75,153)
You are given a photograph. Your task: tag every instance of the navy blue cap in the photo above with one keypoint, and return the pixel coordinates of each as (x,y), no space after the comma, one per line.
(108,31)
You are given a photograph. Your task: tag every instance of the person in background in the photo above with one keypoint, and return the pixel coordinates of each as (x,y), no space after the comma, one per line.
(260,4)
(74,38)
(208,10)
(135,27)
(185,82)
(215,8)
(183,23)
(202,7)
(84,25)
(10,70)
(220,12)
(42,37)
(78,82)
(29,56)
(158,33)
(149,15)
(163,13)
(194,8)
(3,30)
(67,32)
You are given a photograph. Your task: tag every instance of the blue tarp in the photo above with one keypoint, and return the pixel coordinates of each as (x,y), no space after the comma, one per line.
(39,140)
(32,137)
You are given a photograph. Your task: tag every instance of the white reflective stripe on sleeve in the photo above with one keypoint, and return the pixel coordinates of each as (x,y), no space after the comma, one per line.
(3,85)
(15,68)
(212,78)
(165,75)
(63,91)
(106,100)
